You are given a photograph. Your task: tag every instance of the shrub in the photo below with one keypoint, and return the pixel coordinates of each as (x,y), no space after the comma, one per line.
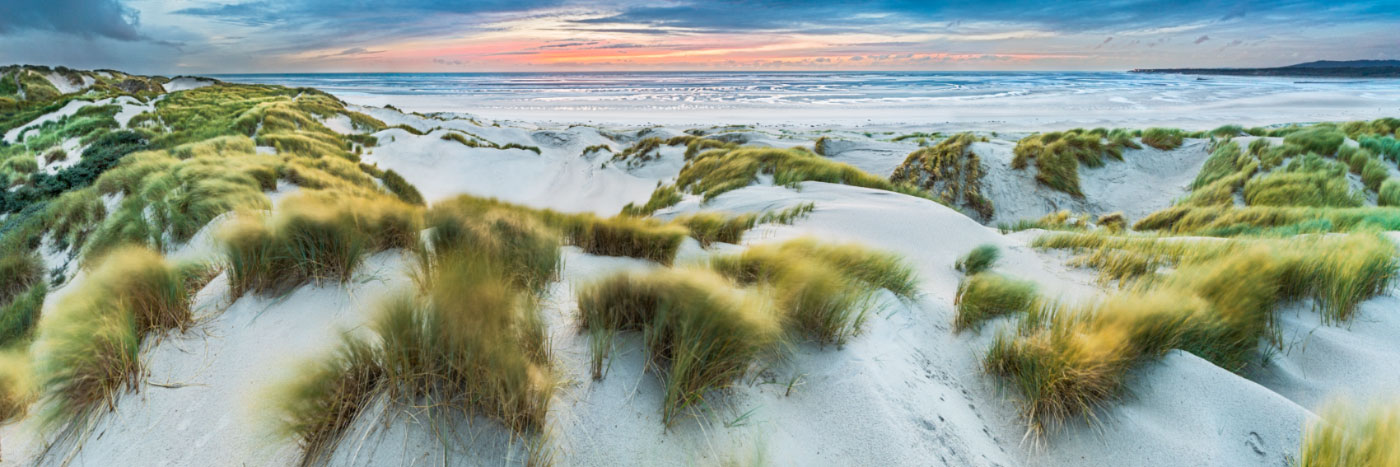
(1348,436)
(978,260)
(1163,138)
(701,333)
(983,296)
(1319,139)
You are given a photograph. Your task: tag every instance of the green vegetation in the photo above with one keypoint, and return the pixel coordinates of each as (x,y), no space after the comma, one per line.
(1227,221)
(710,227)
(984,295)
(1057,155)
(1163,138)
(1318,139)
(979,259)
(86,351)
(717,171)
(1389,194)
(1350,436)
(1218,303)
(615,236)
(662,197)
(401,188)
(18,389)
(949,169)
(701,334)
(314,237)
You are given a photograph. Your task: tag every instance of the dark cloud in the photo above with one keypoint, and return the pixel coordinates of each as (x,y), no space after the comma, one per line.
(1202,39)
(85,18)
(358,51)
(447,61)
(566,45)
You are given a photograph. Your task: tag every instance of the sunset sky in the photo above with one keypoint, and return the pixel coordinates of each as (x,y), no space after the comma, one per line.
(201,36)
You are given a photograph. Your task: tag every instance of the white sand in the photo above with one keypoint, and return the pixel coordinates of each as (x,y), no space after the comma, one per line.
(908,391)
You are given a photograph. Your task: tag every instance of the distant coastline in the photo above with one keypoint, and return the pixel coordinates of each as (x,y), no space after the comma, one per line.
(1319,69)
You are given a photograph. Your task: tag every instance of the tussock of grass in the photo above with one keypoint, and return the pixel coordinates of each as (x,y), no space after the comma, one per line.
(701,333)
(1057,155)
(527,250)
(21,313)
(1217,304)
(1321,140)
(615,236)
(983,296)
(19,270)
(714,172)
(710,227)
(315,237)
(318,407)
(877,269)
(1059,220)
(979,259)
(1316,189)
(662,197)
(1225,221)
(401,188)
(86,350)
(1165,139)
(17,386)
(1389,194)
(1347,435)
(950,170)
(1225,160)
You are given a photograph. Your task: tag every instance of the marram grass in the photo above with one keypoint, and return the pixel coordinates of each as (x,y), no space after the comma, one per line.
(1350,436)
(980,259)
(984,295)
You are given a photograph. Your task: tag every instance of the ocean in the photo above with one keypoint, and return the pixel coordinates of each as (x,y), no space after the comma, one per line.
(854,98)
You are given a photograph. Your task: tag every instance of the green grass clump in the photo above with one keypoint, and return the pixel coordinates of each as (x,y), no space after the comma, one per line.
(1317,189)
(1057,155)
(19,315)
(979,259)
(315,237)
(320,405)
(1389,194)
(1374,173)
(662,197)
(1163,138)
(527,250)
(614,236)
(1386,147)
(950,170)
(18,389)
(401,188)
(1346,435)
(717,171)
(983,296)
(19,270)
(1226,221)
(1223,161)
(1067,361)
(711,227)
(86,349)
(1319,139)
(701,333)
(876,269)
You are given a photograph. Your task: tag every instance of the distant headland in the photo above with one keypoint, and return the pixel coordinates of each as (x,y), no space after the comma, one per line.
(1319,69)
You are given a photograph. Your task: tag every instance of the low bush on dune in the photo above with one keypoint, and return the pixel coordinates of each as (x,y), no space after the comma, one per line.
(1067,361)
(717,171)
(1347,435)
(984,295)
(950,170)
(314,237)
(1319,139)
(86,350)
(1165,139)
(978,260)
(700,332)
(472,345)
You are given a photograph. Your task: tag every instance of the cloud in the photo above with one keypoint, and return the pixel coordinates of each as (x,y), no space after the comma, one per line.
(358,51)
(1202,39)
(1105,42)
(85,18)
(447,61)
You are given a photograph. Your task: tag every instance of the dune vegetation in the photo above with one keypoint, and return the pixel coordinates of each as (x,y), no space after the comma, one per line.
(1058,155)
(1351,435)
(950,170)
(717,171)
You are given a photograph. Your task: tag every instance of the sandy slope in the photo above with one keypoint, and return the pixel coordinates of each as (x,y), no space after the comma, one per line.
(907,392)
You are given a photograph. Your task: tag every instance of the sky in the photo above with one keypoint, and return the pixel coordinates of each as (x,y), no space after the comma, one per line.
(251,36)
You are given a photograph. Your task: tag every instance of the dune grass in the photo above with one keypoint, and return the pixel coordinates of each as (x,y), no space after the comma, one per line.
(978,260)
(314,237)
(614,236)
(1057,155)
(396,184)
(1069,360)
(1165,139)
(950,170)
(663,196)
(18,389)
(1389,193)
(701,333)
(19,270)
(714,172)
(320,405)
(1225,160)
(86,350)
(711,227)
(1226,221)
(984,295)
(1347,435)
(1318,139)
(526,249)
(1317,189)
